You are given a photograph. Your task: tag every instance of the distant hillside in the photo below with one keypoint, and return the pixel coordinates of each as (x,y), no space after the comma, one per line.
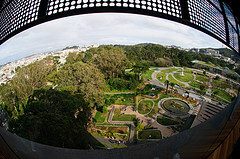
(223,51)
(70,47)
(227,52)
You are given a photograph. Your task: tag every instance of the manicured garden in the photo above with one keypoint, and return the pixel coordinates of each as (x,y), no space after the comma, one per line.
(145,106)
(172,80)
(202,78)
(100,117)
(148,74)
(120,99)
(186,78)
(161,77)
(195,84)
(118,116)
(221,83)
(163,120)
(149,134)
(169,70)
(222,94)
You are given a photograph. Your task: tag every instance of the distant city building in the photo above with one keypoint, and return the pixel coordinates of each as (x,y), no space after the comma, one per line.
(8,71)
(226,72)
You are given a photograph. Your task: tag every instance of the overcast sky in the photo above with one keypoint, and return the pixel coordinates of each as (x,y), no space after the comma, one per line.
(102,28)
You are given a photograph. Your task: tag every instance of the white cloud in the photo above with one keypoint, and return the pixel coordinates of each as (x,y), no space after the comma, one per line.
(103,28)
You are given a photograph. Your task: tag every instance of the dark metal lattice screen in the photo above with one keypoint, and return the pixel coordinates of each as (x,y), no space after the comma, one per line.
(16,15)
(170,7)
(210,16)
(206,16)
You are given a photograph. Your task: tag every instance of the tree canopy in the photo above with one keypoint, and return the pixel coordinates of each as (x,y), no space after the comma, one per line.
(85,79)
(16,92)
(111,61)
(57,118)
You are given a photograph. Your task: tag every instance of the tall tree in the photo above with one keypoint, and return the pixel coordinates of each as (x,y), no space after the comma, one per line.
(73,57)
(140,68)
(16,92)
(85,79)
(111,61)
(167,83)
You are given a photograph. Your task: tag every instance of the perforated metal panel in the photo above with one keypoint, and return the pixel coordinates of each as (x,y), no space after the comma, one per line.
(216,4)
(206,16)
(210,16)
(230,16)
(16,15)
(170,7)
(233,37)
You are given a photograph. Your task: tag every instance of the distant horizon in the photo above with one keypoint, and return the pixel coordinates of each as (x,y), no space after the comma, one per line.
(103,28)
(13,58)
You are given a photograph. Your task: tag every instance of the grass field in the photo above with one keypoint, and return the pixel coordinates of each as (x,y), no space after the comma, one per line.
(202,78)
(166,121)
(148,74)
(100,117)
(169,70)
(121,99)
(145,106)
(122,117)
(221,83)
(195,84)
(222,94)
(161,77)
(186,78)
(150,134)
(185,70)
(172,80)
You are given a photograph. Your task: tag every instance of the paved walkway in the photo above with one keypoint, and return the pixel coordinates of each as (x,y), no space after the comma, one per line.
(146,121)
(132,127)
(105,141)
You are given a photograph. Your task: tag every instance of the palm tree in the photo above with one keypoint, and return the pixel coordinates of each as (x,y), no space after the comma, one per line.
(172,85)
(166,83)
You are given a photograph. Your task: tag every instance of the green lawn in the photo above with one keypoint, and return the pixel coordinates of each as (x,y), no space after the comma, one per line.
(186,78)
(166,121)
(222,94)
(145,106)
(172,80)
(202,78)
(150,134)
(121,99)
(148,74)
(221,83)
(209,64)
(195,84)
(161,77)
(108,90)
(122,117)
(186,70)
(169,70)
(100,117)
